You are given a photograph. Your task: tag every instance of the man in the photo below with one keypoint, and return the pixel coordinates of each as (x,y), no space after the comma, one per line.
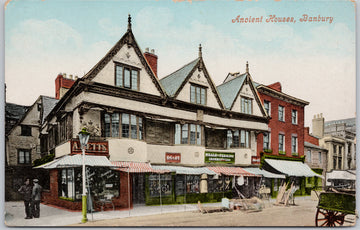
(26,191)
(36,198)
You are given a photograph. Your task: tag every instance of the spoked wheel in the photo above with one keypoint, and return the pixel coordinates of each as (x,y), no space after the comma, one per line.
(327,218)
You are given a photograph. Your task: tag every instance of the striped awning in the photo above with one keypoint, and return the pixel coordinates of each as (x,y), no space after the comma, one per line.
(292,168)
(136,167)
(232,171)
(185,170)
(70,161)
(264,173)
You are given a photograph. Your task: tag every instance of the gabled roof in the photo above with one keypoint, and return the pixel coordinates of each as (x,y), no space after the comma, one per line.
(127,39)
(172,82)
(229,90)
(48,103)
(13,113)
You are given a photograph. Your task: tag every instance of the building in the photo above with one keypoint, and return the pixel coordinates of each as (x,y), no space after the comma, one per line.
(316,158)
(339,138)
(22,143)
(172,140)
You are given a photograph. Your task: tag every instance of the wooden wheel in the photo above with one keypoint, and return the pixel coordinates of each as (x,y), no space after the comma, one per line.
(327,218)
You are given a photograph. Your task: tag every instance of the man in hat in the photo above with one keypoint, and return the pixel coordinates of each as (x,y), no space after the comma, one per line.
(26,191)
(36,198)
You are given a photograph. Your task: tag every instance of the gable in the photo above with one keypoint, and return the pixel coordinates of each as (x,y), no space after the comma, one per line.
(247,92)
(127,56)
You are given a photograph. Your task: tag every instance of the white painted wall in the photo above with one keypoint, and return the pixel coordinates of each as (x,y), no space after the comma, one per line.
(118,150)
(63,149)
(107,74)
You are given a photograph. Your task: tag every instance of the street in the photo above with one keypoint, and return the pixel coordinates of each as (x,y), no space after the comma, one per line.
(302,214)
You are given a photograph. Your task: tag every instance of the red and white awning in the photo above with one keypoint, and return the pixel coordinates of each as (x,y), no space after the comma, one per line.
(232,171)
(136,167)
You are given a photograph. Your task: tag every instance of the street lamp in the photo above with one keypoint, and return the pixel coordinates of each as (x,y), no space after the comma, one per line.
(84,138)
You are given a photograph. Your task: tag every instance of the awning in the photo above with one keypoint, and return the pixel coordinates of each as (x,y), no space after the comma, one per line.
(231,171)
(292,168)
(340,175)
(264,173)
(136,167)
(76,161)
(184,170)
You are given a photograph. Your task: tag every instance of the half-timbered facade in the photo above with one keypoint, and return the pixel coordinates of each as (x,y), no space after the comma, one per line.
(137,120)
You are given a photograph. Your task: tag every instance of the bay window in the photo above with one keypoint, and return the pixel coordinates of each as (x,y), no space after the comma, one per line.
(124,125)
(188,134)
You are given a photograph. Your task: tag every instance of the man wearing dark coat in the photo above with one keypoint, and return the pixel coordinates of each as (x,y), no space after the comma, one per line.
(36,198)
(26,191)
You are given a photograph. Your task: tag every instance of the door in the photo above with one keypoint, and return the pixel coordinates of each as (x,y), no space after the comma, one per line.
(138,191)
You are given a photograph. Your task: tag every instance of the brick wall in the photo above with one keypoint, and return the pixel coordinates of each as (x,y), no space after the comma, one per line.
(287,128)
(62,85)
(152,59)
(311,139)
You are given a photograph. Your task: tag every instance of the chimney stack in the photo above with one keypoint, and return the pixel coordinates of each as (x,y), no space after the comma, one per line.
(63,84)
(152,59)
(318,125)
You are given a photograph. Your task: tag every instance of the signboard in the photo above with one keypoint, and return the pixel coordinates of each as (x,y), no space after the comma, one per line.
(255,160)
(172,157)
(218,157)
(93,147)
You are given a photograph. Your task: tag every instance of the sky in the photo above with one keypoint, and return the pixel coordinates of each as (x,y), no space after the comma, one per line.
(313,61)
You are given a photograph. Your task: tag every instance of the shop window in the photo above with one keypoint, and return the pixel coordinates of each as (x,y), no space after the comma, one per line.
(188,134)
(197,95)
(67,183)
(246,105)
(187,183)
(126,77)
(267,106)
(219,184)
(24,156)
(159,183)
(124,125)
(281,113)
(294,117)
(25,130)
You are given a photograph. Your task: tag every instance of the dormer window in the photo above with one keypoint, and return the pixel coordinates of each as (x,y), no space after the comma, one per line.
(126,76)
(198,94)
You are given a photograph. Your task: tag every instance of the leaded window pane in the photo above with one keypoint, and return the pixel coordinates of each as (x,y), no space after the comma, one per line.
(177,134)
(192,134)
(115,124)
(198,134)
(192,94)
(119,76)
(127,78)
(125,125)
(184,138)
(133,127)
(140,129)
(134,80)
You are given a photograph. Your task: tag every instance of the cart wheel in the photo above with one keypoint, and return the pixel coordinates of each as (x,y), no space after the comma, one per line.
(327,218)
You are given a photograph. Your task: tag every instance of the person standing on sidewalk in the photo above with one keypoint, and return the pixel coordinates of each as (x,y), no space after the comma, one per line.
(36,198)
(26,191)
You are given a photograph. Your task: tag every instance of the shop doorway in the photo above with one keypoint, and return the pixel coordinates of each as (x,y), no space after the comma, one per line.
(138,188)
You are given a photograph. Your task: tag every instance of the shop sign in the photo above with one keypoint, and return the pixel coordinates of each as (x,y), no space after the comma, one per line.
(255,160)
(172,157)
(93,147)
(218,157)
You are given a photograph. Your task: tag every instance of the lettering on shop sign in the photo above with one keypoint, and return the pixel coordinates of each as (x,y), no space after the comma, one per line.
(173,157)
(219,157)
(93,147)
(255,160)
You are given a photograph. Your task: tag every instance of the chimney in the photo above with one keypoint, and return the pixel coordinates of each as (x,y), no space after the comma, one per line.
(152,59)
(275,86)
(62,85)
(318,125)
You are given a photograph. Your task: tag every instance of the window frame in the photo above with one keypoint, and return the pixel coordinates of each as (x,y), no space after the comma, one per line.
(292,117)
(24,151)
(268,134)
(309,156)
(268,110)
(283,113)
(244,105)
(187,129)
(139,130)
(282,142)
(131,81)
(293,137)
(194,94)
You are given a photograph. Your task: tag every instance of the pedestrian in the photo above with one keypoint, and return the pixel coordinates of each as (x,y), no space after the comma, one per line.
(26,191)
(36,198)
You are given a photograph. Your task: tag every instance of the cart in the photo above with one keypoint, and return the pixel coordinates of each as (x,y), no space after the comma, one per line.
(333,207)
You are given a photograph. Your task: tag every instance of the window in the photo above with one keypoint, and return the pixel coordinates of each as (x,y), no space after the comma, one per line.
(131,126)
(244,139)
(340,150)
(281,142)
(188,134)
(246,105)
(334,162)
(294,117)
(157,181)
(266,141)
(187,184)
(320,158)
(197,95)
(294,144)
(126,77)
(233,139)
(267,106)
(334,149)
(308,155)
(24,156)
(25,130)
(281,113)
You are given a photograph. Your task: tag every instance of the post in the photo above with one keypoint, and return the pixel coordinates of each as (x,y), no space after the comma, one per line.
(84,208)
